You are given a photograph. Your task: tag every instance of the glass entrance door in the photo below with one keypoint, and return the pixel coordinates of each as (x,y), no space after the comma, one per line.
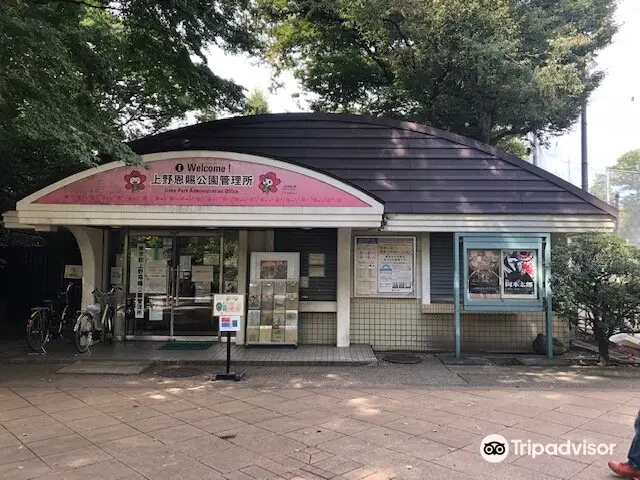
(150,284)
(173,278)
(198,279)
(206,265)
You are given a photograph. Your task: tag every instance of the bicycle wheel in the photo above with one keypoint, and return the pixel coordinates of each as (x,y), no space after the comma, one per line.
(36,331)
(108,325)
(83,332)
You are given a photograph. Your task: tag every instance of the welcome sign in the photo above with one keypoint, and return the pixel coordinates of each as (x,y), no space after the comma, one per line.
(201,182)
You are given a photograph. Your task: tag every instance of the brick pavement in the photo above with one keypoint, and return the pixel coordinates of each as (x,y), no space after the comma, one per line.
(59,351)
(133,427)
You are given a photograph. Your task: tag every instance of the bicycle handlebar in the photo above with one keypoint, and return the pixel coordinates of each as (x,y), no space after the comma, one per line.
(111,291)
(101,296)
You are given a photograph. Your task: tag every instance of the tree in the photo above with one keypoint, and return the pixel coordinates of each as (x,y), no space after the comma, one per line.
(256,103)
(624,180)
(515,146)
(487,69)
(599,275)
(81,76)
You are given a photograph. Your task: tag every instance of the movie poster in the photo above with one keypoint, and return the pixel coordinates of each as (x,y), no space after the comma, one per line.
(483,274)
(519,275)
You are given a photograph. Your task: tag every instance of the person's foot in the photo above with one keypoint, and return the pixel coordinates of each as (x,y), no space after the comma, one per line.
(624,469)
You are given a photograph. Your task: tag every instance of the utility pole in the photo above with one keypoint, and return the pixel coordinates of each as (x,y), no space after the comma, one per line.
(535,149)
(585,164)
(617,205)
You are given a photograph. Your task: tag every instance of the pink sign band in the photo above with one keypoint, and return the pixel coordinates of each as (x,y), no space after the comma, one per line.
(202,182)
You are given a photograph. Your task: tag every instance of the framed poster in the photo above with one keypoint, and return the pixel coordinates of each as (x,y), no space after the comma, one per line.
(483,280)
(273,269)
(519,274)
(275,265)
(503,272)
(384,266)
(73,271)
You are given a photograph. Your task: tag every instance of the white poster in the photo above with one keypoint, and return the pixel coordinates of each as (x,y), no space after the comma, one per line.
(316,259)
(395,266)
(116,276)
(316,270)
(155,273)
(138,280)
(384,266)
(366,266)
(185,266)
(202,273)
(156,268)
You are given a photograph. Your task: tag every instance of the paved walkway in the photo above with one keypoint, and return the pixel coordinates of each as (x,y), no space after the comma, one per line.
(138,351)
(303,423)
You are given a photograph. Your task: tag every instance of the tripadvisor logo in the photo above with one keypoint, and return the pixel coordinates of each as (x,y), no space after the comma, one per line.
(495,448)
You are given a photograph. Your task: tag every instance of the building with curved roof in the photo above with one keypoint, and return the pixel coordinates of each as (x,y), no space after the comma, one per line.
(338,229)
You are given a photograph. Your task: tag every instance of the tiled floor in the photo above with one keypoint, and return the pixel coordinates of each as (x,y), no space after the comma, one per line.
(59,427)
(18,352)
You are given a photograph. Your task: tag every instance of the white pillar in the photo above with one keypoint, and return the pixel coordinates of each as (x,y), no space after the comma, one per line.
(243,262)
(344,287)
(90,244)
(425,262)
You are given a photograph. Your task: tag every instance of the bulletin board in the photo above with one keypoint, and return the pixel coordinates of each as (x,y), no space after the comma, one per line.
(384,266)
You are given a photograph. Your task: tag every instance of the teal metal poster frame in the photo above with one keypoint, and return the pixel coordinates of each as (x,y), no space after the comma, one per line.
(540,242)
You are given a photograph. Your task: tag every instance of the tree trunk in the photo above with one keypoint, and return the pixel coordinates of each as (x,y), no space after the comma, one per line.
(603,344)
(485,127)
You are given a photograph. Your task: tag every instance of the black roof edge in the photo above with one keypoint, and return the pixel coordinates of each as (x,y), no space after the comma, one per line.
(388,122)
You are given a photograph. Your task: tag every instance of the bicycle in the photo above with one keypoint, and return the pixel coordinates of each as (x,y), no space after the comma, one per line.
(46,323)
(86,330)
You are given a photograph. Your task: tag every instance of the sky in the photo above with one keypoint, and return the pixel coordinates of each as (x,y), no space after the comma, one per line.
(613,113)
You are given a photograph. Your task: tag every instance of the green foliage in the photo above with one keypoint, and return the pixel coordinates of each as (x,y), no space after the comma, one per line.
(624,180)
(487,69)
(256,104)
(514,146)
(598,275)
(81,76)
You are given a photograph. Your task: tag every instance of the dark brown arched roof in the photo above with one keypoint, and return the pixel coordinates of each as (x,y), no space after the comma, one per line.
(411,168)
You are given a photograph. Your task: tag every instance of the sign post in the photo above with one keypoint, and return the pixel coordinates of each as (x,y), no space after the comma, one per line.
(229,309)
